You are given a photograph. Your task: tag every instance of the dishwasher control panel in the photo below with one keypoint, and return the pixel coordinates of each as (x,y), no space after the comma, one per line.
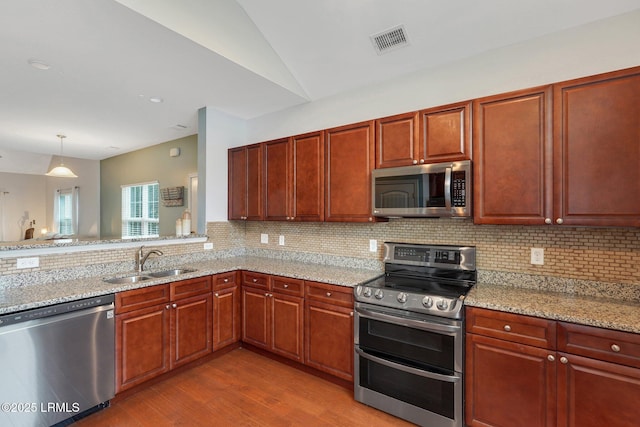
(51,310)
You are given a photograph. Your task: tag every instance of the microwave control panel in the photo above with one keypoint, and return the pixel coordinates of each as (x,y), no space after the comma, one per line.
(458,189)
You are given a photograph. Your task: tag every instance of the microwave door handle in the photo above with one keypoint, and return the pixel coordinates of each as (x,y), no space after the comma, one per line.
(447,188)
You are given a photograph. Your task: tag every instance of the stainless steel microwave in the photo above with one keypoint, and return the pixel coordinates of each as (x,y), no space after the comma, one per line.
(429,190)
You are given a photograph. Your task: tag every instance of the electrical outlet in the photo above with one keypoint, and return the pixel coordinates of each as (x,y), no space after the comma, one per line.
(281,240)
(208,246)
(264,238)
(537,256)
(32,262)
(373,245)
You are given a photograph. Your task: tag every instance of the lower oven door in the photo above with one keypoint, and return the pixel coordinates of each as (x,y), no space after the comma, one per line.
(409,365)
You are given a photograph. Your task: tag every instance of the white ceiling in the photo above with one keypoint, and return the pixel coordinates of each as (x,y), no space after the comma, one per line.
(246,58)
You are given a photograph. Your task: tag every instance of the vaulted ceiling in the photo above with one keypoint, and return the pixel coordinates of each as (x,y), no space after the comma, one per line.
(109,60)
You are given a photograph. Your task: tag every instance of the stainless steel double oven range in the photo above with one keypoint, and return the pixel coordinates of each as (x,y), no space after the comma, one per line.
(409,333)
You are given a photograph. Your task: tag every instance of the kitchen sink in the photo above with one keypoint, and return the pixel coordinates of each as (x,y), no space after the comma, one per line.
(173,272)
(127,279)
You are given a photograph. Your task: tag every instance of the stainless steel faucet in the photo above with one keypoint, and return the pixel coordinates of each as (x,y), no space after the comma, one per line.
(141,257)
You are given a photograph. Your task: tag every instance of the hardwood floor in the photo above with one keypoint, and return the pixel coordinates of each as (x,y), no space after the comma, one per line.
(241,388)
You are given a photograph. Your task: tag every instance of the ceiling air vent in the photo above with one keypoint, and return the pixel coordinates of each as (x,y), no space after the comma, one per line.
(391,39)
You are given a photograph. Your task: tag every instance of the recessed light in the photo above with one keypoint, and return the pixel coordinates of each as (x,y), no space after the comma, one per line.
(156,100)
(40,65)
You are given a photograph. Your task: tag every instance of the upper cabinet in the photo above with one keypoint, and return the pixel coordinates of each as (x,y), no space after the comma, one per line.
(597,150)
(437,134)
(512,158)
(350,158)
(277,175)
(445,133)
(566,154)
(245,183)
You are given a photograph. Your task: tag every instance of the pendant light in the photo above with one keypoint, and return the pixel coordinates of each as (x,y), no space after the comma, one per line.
(61,171)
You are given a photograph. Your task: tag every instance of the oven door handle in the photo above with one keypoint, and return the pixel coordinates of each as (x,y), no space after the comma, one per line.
(409,369)
(418,324)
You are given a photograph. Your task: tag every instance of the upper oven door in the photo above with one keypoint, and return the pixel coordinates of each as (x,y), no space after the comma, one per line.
(422,341)
(432,190)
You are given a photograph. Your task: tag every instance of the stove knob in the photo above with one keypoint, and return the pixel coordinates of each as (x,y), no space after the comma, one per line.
(379,294)
(402,297)
(442,304)
(427,302)
(367,292)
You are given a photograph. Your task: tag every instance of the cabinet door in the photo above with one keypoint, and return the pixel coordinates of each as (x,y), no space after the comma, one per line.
(191,320)
(512,152)
(349,161)
(254,183)
(593,393)
(397,141)
(509,384)
(307,191)
(597,150)
(256,316)
(226,317)
(329,338)
(237,175)
(142,345)
(287,325)
(445,133)
(277,179)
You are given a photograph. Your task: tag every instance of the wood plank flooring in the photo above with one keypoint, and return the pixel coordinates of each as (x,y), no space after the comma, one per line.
(241,388)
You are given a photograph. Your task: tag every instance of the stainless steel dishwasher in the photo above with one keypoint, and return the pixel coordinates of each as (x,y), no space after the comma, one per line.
(56,361)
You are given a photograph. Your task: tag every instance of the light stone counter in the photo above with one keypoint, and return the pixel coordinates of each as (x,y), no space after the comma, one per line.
(23,296)
(619,314)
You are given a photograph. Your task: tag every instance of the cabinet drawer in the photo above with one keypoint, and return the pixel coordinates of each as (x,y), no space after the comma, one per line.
(190,287)
(141,298)
(224,280)
(287,285)
(512,327)
(333,294)
(257,280)
(598,343)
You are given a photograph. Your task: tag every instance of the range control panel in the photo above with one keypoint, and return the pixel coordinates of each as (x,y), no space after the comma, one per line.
(443,256)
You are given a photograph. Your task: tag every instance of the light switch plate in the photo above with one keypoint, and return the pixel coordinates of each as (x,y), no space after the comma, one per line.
(373,245)
(281,240)
(537,256)
(32,262)
(264,238)
(208,246)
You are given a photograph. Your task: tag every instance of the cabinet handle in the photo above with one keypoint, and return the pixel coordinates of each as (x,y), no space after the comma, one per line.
(507,328)
(174,305)
(547,221)
(551,358)
(559,221)
(328,294)
(564,360)
(615,348)
(286,286)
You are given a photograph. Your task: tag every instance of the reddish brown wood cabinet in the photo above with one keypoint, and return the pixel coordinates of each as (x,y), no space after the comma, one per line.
(329,329)
(445,133)
(350,158)
(398,141)
(597,150)
(156,333)
(245,199)
(227,322)
(518,373)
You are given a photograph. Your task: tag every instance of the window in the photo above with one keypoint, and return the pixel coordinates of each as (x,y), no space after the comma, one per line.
(140,204)
(65,215)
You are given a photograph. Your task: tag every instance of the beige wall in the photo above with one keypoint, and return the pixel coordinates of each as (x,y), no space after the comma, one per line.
(149,164)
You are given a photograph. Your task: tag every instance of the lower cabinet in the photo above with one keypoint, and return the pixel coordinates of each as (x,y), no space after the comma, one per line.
(329,329)
(226,310)
(518,373)
(160,328)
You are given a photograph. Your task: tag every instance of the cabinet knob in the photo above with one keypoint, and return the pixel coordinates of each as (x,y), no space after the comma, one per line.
(351,314)
(286,286)
(415,162)
(564,360)
(270,295)
(226,280)
(328,294)
(421,161)
(167,307)
(266,294)
(370,219)
(559,221)
(551,358)
(615,347)
(174,305)
(507,328)
(547,221)
(215,295)
(255,280)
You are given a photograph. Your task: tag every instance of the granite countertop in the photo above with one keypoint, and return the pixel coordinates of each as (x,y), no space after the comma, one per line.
(27,296)
(623,315)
